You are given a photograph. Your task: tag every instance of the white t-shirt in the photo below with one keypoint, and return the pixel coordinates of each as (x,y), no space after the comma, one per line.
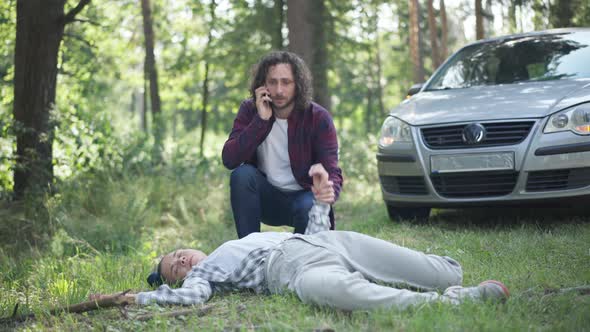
(273,157)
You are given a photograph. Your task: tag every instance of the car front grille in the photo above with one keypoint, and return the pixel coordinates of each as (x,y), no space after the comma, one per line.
(404,185)
(474,184)
(497,134)
(559,179)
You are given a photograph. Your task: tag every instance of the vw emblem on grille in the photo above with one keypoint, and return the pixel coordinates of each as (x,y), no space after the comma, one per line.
(473,133)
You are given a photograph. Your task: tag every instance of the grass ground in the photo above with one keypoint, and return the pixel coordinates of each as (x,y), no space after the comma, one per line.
(113,227)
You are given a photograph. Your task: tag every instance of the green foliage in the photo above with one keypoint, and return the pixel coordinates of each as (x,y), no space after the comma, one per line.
(100,81)
(114,212)
(115,225)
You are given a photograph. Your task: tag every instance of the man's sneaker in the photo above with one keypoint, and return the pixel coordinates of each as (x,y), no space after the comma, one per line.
(489,290)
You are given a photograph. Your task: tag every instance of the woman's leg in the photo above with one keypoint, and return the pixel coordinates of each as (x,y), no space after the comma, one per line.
(335,286)
(318,275)
(379,260)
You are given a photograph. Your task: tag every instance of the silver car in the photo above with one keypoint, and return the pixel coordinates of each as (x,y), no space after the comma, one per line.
(503,120)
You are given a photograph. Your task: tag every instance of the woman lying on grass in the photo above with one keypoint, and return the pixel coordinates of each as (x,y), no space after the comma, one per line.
(330,268)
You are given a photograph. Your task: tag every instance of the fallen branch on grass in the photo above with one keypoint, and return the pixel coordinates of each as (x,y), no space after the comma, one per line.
(107,301)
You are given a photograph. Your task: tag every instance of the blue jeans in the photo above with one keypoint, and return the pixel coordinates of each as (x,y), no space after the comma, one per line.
(255,200)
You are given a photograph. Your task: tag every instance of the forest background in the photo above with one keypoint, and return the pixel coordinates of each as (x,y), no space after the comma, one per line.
(113,115)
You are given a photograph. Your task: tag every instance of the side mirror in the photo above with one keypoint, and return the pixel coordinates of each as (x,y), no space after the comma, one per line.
(414,89)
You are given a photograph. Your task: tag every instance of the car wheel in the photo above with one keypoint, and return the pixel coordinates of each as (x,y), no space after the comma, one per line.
(408,213)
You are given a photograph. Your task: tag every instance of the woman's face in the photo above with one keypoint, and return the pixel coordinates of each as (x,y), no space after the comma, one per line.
(177,264)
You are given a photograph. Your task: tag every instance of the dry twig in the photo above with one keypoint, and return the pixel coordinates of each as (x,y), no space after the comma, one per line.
(108,301)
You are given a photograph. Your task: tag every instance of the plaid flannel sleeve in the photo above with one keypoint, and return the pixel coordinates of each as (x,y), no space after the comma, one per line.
(319,219)
(248,132)
(194,290)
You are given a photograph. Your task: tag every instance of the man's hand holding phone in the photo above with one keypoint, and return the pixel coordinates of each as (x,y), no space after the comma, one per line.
(263,102)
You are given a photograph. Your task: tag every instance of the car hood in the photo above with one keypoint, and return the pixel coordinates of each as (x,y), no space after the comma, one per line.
(493,102)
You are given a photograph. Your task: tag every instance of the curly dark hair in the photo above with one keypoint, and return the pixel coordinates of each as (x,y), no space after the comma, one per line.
(301,75)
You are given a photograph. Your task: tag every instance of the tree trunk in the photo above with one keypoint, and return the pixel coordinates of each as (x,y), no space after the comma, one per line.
(277,34)
(320,54)
(512,17)
(144,106)
(444,32)
(307,38)
(433,36)
(151,72)
(375,71)
(415,49)
(204,107)
(479,33)
(562,12)
(205,100)
(300,29)
(379,74)
(39,31)
(369,112)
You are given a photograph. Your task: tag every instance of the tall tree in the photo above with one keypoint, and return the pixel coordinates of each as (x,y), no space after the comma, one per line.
(562,12)
(479,32)
(307,37)
(374,71)
(444,31)
(205,99)
(277,33)
(151,72)
(512,6)
(300,29)
(319,66)
(379,68)
(39,32)
(144,104)
(415,49)
(433,36)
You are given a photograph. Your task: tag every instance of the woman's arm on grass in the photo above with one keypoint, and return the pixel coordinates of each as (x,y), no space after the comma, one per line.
(194,290)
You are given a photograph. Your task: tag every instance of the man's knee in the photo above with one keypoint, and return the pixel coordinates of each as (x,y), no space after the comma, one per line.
(243,175)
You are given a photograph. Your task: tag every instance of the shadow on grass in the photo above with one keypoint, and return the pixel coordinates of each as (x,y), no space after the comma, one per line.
(510,217)
(369,215)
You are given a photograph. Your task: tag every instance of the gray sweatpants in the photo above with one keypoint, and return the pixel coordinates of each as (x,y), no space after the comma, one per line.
(342,269)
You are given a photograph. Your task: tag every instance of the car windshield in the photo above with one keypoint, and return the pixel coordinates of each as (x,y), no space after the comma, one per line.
(525,58)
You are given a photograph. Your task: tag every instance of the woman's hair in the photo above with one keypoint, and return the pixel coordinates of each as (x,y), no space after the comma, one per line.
(156,278)
(301,75)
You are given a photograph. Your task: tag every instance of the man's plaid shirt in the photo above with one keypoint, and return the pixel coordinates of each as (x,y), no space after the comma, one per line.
(208,277)
(311,135)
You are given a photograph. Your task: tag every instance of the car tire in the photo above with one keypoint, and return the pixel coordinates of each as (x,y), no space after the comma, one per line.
(418,214)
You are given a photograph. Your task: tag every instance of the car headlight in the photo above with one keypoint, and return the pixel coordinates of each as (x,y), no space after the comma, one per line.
(576,119)
(394,130)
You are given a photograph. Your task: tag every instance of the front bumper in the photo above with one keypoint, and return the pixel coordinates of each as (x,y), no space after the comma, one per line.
(547,167)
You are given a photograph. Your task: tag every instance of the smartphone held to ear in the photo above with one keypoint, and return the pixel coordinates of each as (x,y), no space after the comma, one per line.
(267,95)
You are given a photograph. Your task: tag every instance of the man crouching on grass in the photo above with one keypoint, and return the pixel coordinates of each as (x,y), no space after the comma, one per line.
(328,268)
